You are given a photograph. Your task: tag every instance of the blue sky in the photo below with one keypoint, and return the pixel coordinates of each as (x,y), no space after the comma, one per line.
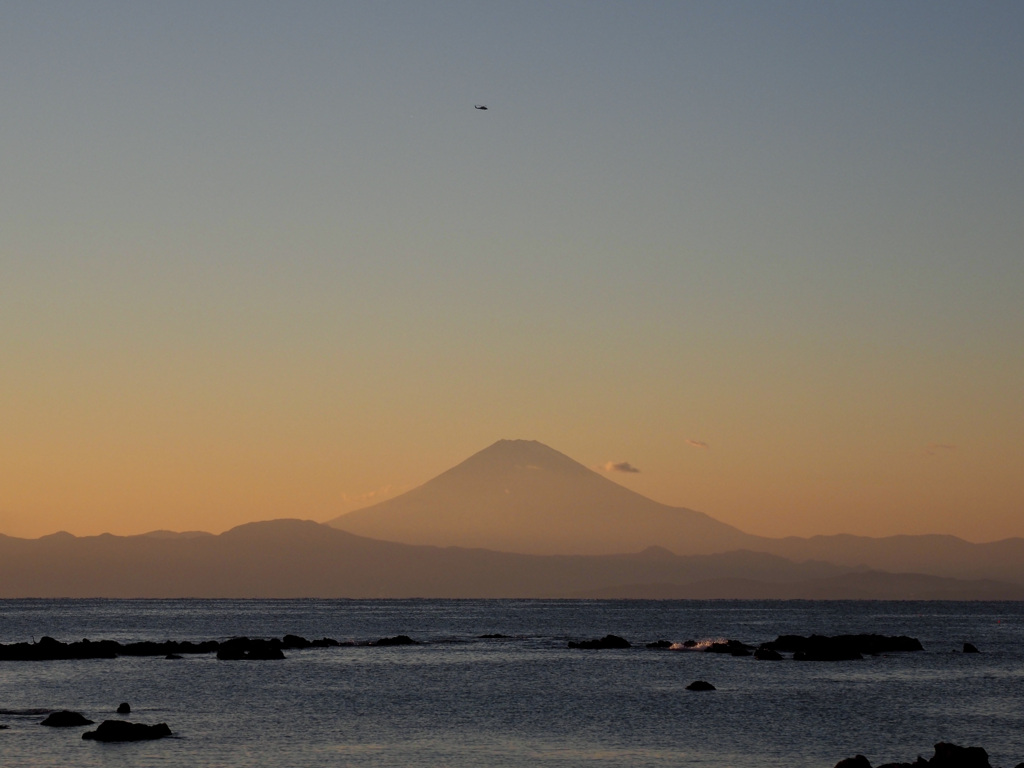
(265,259)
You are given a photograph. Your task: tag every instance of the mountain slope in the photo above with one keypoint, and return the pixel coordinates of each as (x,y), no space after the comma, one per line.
(522,496)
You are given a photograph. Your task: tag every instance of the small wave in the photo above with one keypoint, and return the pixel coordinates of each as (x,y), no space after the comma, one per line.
(696,645)
(25,712)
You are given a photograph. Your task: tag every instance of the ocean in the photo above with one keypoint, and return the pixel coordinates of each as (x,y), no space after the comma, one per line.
(460,700)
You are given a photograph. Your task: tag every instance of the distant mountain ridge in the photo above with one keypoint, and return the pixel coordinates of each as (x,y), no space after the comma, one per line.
(296,558)
(517,520)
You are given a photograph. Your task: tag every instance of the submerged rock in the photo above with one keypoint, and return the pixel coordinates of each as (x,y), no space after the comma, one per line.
(124,708)
(122,730)
(767,654)
(66,719)
(971,648)
(608,641)
(701,685)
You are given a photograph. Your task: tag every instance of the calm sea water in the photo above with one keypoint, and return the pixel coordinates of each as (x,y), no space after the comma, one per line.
(460,701)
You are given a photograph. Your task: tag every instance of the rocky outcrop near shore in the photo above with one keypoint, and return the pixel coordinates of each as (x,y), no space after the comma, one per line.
(946,756)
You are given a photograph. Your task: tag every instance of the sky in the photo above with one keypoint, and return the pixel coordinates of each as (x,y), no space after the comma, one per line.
(263,259)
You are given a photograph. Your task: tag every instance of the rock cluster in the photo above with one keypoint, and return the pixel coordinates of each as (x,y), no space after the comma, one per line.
(732,647)
(660,644)
(840,647)
(48,649)
(250,649)
(946,756)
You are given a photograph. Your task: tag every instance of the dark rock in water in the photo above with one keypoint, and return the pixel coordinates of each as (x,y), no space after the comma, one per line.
(122,730)
(265,651)
(700,685)
(124,708)
(732,647)
(172,657)
(66,719)
(397,640)
(660,644)
(854,762)
(946,756)
(971,648)
(4,727)
(840,647)
(48,649)
(244,648)
(608,641)
(767,654)
(690,644)
(148,648)
(493,636)
(952,756)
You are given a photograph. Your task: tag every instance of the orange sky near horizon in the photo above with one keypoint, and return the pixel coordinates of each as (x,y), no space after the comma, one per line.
(260,262)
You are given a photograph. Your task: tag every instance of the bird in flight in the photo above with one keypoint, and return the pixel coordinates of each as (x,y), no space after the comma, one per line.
(480,106)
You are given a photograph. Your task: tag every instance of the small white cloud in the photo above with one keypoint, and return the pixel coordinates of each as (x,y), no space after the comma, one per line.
(698,444)
(618,466)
